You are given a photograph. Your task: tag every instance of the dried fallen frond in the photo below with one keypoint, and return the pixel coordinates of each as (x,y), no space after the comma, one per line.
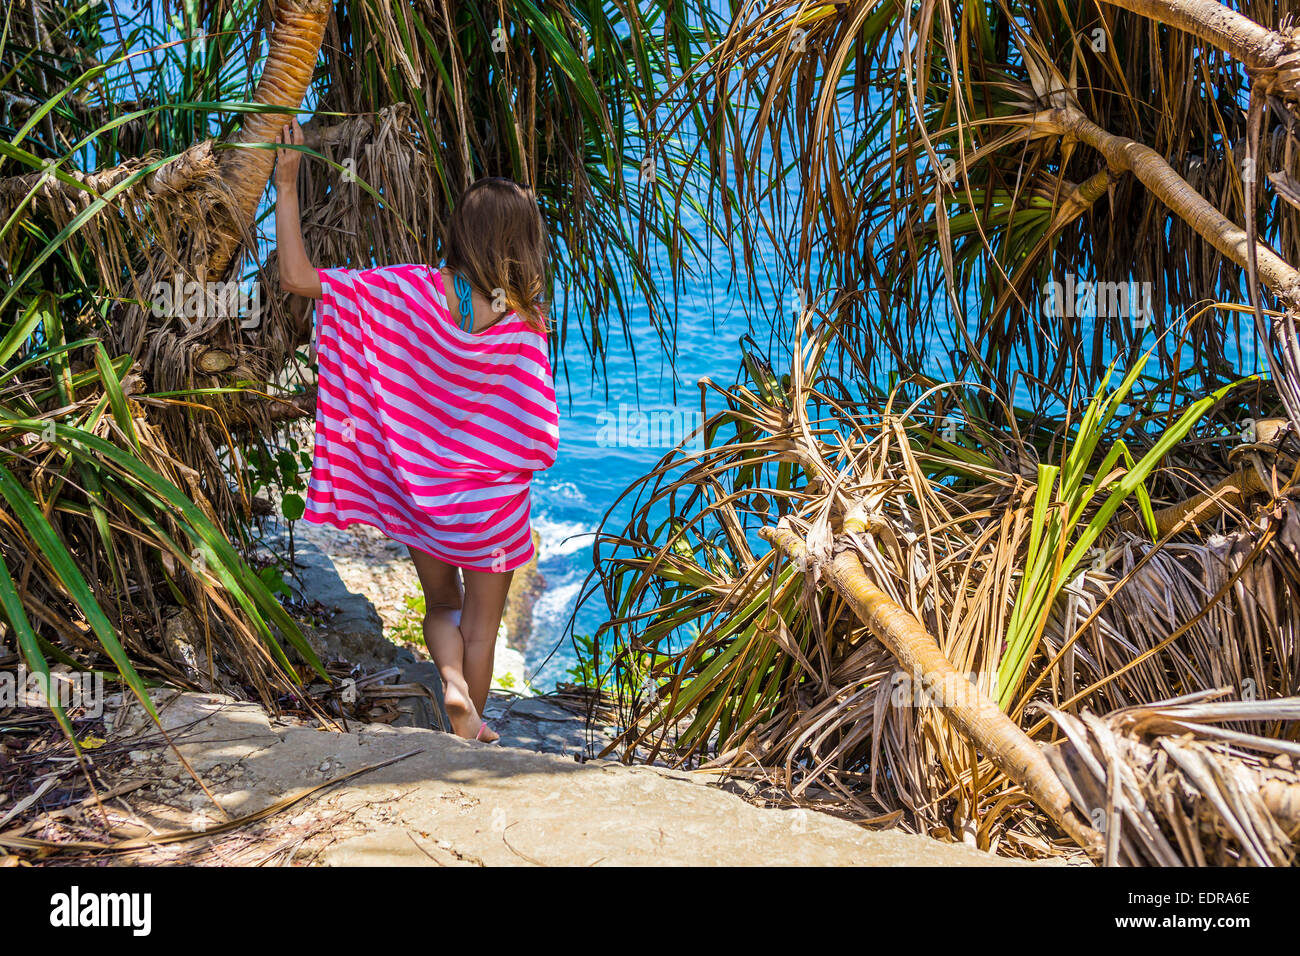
(1170,785)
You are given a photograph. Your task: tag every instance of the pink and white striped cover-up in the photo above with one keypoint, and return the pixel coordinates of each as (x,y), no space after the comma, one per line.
(425,431)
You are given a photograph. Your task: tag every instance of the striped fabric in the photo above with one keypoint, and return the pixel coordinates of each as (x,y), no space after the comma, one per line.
(427,432)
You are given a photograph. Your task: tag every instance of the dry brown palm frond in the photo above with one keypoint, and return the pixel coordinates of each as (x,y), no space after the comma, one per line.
(107,488)
(176,175)
(1169,785)
(141,225)
(116,215)
(344,222)
(1149,622)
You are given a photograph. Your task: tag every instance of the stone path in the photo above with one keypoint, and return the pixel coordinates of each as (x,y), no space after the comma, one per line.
(535,723)
(451,802)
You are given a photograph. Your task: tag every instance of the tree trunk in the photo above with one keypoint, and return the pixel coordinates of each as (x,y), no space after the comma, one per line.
(1230,493)
(1269,56)
(290,63)
(970,712)
(1127,155)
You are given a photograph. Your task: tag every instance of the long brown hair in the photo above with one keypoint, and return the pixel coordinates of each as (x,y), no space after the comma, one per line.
(497,241)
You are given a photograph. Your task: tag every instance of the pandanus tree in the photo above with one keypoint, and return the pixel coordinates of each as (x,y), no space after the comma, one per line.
(959,157)
(962,494)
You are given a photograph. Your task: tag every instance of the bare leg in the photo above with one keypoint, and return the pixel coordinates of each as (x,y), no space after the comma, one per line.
(485,599)
(442,635)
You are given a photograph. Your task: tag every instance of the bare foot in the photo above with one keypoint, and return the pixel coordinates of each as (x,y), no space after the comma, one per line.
(464,718)
(487,735)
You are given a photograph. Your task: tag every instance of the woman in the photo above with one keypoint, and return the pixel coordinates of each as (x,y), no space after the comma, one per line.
(435,405)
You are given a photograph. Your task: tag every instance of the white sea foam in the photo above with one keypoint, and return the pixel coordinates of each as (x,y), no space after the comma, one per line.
(560,494)
(550,618)
(561,537)
(554,604)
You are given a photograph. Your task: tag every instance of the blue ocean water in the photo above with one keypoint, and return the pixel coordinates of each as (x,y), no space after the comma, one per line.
(605,446)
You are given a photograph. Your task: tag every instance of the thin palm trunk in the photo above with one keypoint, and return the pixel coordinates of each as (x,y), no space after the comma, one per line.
(1233,241)
(1127,155)
(290,64)
(1230,494)
(1271,57)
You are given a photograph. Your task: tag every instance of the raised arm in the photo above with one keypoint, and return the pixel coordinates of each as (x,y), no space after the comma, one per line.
(297,274)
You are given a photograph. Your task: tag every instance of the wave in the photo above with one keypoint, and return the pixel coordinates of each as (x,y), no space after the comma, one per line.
(548,651)
(553,605)
(560,494)
(561,538)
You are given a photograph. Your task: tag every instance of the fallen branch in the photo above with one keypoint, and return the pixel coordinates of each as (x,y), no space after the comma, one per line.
(972,714)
